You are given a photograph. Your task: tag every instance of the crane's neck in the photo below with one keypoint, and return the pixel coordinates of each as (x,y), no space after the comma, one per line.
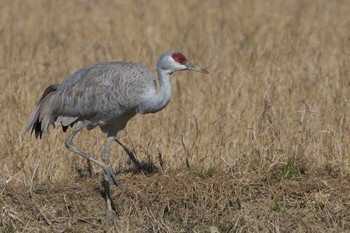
(160,100)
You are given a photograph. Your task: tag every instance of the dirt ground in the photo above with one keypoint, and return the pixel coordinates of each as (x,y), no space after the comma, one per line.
(182,202)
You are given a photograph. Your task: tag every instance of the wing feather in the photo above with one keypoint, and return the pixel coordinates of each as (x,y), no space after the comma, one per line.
(102,91)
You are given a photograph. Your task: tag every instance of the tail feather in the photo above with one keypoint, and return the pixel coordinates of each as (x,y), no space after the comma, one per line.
(42,117)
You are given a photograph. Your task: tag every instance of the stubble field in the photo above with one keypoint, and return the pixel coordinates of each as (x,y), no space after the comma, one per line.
(261,144)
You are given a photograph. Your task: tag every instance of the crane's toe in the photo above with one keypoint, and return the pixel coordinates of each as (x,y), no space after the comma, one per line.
(110,220)
(110,215)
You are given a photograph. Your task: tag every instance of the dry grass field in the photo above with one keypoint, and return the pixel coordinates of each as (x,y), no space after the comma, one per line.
(261,144)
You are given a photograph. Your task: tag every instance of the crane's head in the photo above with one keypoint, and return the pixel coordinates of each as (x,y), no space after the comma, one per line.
(172,61)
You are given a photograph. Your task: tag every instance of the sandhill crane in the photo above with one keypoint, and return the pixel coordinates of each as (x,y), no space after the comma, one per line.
(107,95)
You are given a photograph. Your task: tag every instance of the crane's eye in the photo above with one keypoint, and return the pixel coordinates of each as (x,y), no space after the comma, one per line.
(178,57)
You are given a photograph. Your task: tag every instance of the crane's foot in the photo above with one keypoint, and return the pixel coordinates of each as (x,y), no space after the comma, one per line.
(110,215)
(110,220)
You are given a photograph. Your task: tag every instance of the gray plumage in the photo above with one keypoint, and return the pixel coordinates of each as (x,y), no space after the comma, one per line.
(107,95)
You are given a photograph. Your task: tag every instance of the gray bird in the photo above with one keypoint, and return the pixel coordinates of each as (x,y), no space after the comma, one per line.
(107,95)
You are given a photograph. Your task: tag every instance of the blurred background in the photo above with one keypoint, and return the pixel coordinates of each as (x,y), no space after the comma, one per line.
(277,92)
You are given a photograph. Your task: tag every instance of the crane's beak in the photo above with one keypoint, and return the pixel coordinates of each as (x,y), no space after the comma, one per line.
(193,67)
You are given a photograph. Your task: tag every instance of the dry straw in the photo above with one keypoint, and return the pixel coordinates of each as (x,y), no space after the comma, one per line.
(278,87)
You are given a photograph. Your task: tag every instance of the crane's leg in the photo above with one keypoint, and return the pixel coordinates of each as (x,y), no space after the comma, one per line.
(69,144)
(131,155)
(105,159)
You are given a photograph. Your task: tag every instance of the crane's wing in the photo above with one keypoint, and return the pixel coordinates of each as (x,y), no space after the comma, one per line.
(98,93)
(102,92)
